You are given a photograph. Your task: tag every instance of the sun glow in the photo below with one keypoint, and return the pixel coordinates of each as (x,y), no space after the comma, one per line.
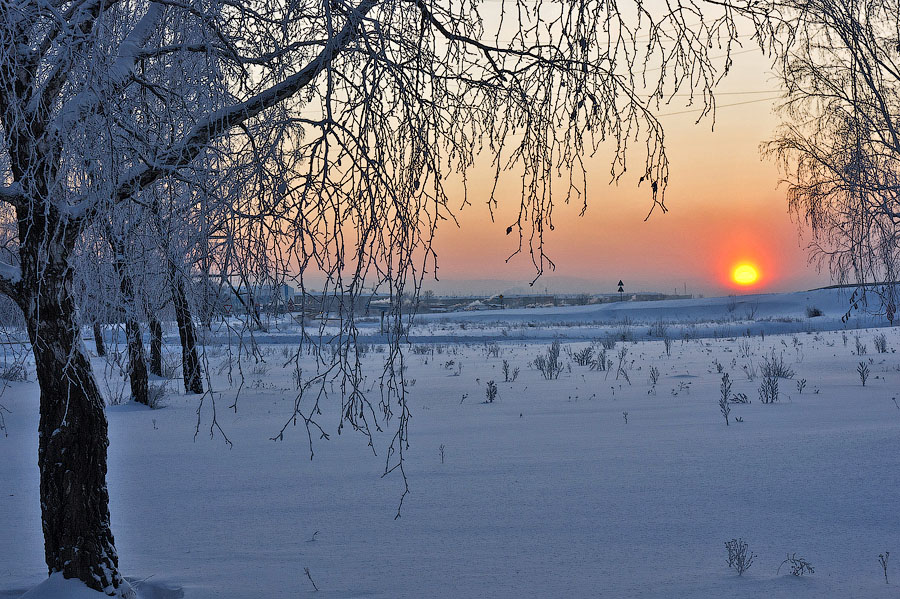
(745,274)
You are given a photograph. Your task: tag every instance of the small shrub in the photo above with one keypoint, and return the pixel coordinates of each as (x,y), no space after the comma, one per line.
(549,364)
(768,390)
(155,395)
(725,389)
(739,555)
(740,398)
(608,342)
(509,376)
(798,565)
(491,391)
(667,341)
(813,312)
(259,370)
(881,343)
(801,384)
(600,363)
(883,560)
(775,366)
(860,346)
(752,309)
(750,370)
(625,333)
(583,357)
(654,375)
(659,329)
(623,353)
(863,370)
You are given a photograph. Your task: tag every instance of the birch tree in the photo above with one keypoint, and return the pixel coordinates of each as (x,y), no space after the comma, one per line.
(341,123)
(839,142)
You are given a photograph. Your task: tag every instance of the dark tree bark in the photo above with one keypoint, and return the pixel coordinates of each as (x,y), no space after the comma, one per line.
(137,362)
(190,364)
(156,334)
(73,436)
(98,340)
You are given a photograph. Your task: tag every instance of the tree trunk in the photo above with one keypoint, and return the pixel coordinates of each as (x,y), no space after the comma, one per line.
(156,334)
(98,340)
(72,437)
(137,362)
(190,364)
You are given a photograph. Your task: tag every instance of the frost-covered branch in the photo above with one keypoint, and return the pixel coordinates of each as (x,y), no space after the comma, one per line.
(186,150)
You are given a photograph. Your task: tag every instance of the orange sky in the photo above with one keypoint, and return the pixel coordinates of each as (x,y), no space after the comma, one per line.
(725,206)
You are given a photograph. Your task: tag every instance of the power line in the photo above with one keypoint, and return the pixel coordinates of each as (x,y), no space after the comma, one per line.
(721,106)
(736,93)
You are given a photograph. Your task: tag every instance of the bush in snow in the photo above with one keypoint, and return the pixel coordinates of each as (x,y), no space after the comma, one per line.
(549,364)
(881,343)
(863,370)
(774,366)
(725,388)
(739,555)
(768,391)
(509,376)
(156,393)
(583,357)
(799,566)
(491,391)
(883,560)
(601,363)
(812,312)
(654,375)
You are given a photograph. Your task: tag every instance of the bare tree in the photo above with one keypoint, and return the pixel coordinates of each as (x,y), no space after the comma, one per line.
(839,143)
(340,124)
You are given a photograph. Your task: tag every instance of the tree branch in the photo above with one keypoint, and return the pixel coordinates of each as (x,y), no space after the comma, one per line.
(217,123)
(13,195)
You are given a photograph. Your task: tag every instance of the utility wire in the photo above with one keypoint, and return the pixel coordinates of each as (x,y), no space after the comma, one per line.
(721,106)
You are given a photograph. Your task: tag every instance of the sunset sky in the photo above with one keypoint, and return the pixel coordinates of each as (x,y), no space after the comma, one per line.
(725,207)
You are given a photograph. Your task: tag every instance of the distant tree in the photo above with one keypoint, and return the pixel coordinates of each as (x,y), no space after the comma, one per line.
(339,124)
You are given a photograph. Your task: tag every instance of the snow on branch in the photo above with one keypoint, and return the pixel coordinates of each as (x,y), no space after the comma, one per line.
(220,121)
(119,72)
(10,279)
(10,275)
(12,194)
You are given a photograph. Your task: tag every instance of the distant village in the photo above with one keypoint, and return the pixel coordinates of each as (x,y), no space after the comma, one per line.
(284,298)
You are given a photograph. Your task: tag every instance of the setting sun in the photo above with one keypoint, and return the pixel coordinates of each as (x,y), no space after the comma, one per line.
(745,274)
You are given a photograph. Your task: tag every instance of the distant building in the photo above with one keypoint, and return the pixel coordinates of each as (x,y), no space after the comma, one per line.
(274,298)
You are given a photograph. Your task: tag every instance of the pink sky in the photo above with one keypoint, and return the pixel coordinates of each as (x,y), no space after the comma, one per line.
(725,205)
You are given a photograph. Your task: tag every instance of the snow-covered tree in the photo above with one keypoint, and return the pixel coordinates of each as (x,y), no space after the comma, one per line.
(340,124)
(839,142)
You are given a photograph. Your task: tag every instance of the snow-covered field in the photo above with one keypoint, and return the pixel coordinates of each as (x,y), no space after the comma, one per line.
(595,484)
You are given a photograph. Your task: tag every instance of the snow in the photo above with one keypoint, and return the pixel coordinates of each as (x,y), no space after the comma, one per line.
(57,587)
(546,492)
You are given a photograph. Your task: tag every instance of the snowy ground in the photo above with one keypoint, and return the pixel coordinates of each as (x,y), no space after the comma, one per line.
(547,492)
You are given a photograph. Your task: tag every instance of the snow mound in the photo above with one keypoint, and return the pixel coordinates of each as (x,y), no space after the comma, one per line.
(57,587)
